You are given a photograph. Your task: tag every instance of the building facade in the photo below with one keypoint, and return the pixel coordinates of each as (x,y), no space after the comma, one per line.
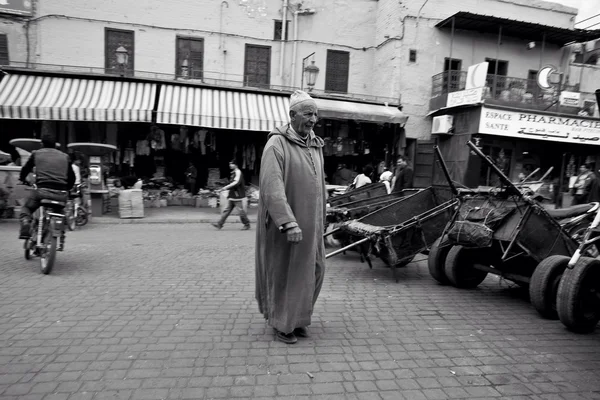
(374,58)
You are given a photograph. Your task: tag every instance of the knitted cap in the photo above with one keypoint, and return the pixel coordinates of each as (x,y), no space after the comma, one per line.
(299,97)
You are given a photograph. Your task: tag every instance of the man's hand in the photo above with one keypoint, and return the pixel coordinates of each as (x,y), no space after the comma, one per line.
(294,235)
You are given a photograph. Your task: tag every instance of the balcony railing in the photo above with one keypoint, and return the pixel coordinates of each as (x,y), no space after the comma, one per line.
(501,89)
(212,78)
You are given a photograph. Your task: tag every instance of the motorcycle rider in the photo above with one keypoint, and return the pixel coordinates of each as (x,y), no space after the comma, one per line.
(54,178)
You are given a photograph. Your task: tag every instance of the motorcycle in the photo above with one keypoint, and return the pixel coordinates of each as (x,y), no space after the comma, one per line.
(46,229)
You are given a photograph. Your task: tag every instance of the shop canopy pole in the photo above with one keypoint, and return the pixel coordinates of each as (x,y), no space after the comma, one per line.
(450,73)
(497,59)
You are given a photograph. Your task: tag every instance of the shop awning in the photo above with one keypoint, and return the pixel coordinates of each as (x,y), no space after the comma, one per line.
(213,108)
(74,99)
(337,109)
(520,29)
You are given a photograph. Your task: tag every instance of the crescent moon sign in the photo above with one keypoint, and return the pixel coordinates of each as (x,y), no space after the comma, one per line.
(543,77)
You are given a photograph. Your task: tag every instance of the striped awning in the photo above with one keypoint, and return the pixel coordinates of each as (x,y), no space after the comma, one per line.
(347,110)
(213,108)
(72,99)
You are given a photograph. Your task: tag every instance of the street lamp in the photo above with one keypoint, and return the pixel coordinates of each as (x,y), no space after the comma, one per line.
(122,58)
(310,72)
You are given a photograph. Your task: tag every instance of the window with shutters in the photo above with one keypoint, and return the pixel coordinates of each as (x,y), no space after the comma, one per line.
(190,54)
(115,38)
(338,66)
(279,29)
(4,60)
(257,68)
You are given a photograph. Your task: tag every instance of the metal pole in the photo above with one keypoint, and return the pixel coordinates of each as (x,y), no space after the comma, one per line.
(445,170)
(450,58)
(543,49)
(497,59)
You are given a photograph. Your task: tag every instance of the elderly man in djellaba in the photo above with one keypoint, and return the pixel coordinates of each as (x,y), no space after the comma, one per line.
(290,253)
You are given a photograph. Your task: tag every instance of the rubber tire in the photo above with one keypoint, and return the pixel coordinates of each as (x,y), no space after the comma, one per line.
(543,286)
(71,220)
(459,269)
(436,262)
(27,249)
(50,240)
(81,218)
(571,296)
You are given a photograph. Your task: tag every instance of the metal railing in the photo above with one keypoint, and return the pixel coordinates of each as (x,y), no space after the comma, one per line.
(503,88)
(213,78)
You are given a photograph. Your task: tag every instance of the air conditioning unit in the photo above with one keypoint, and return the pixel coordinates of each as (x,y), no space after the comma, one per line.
(442,124)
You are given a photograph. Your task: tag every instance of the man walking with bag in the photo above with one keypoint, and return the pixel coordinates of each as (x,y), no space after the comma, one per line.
(235,198)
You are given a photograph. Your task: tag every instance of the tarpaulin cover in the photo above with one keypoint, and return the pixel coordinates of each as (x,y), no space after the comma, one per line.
(475,225)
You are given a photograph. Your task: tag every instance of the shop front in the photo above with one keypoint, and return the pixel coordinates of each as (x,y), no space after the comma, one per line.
(179,138)
(520,142)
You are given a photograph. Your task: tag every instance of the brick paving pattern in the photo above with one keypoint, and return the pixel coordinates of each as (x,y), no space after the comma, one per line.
(167,312)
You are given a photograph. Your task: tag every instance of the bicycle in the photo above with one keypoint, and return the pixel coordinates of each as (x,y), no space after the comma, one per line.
(76,215)
(47,226)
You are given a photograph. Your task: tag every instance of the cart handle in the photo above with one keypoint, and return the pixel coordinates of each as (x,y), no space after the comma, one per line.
(347,247)
(331,232)
(498,171)
(445,170)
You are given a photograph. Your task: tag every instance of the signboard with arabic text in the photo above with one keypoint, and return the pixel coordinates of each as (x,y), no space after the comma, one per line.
(17,7)
(527,125)
(465,97)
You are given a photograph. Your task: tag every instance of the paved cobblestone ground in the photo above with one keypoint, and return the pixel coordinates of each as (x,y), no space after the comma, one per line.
(167,312)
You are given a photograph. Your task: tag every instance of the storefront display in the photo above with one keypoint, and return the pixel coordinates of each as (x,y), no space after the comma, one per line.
(519,143)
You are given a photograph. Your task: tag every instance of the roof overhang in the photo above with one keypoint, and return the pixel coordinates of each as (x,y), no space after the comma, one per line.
(520,29)
(346,110)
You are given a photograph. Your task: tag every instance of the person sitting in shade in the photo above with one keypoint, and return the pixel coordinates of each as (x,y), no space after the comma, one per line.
(362,179)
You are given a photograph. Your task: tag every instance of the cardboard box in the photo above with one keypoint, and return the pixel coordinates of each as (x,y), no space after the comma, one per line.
(201,202)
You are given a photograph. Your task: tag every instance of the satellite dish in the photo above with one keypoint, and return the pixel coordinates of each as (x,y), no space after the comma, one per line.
(543,77)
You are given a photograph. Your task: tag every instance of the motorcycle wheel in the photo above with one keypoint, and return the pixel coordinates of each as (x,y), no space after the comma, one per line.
(27,247)
(577,232)
(48,252)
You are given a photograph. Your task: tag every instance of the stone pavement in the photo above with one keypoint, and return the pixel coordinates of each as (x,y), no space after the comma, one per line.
(167,312)
(175,214)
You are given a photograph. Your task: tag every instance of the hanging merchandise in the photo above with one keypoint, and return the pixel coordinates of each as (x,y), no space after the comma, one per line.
(201,137)
(339,146)
(571,170)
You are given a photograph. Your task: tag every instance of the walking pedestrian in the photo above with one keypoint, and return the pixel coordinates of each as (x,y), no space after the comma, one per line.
(290,252)
(582,184)
(403,179)
(235,197)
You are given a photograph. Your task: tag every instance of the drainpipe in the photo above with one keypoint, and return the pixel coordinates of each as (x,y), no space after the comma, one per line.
(295,51)
(308,11)
(284,7)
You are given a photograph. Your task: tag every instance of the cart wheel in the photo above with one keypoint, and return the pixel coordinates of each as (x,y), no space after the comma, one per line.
(543,286)
(460,269)
(437,260)
(578,301)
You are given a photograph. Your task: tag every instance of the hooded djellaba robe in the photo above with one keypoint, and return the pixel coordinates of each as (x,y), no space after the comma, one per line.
(292,190)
